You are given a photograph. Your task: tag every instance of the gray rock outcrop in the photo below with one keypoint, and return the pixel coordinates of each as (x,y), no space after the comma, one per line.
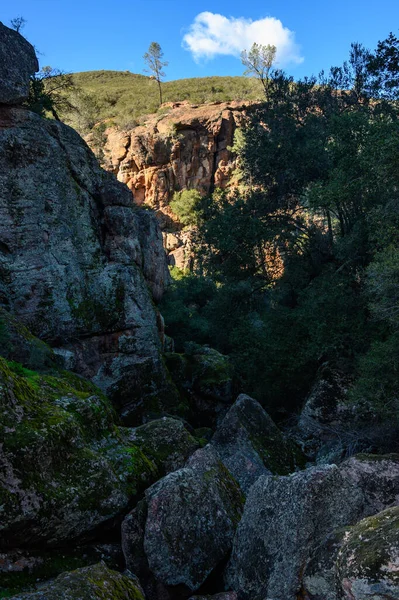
(72,256)
(250,444)
(17,63)
(190,522)
(286,518)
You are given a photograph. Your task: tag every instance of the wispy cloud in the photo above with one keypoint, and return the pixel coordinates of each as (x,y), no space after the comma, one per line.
(212,34)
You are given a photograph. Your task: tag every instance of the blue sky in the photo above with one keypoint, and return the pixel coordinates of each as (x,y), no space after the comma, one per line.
(82,35)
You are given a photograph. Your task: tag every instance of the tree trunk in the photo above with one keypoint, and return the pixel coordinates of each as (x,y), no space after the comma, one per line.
(160,92)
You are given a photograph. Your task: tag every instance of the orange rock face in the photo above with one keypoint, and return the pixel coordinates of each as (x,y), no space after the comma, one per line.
(187,147)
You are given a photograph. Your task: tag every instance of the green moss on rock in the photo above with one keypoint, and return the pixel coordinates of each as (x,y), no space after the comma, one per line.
(96,582)
(368,559)
(18,344)
(166,441)
(65,467)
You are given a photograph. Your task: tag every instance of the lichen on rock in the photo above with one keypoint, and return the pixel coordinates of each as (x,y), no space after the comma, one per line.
(190,521)
(251,445)
(367,565)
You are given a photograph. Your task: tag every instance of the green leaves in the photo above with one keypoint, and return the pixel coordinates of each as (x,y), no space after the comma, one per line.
(186,205)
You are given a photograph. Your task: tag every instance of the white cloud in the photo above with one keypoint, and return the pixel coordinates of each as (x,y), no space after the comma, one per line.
(211,34)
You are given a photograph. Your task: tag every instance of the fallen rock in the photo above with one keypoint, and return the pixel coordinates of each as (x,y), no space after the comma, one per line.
(203,376)
(377,476)
(324,416)
(166,442)
(287,518)
(368,561)
(17,63)
(250,444)
(283,518)
(89,583)
(191,518)
(133,530)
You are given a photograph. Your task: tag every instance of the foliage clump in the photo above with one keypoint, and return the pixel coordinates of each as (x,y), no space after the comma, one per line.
(185,205)
(298,266)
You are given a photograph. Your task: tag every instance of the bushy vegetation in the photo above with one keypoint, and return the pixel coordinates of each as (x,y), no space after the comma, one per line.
(185,205)
(302,262)
(123,97)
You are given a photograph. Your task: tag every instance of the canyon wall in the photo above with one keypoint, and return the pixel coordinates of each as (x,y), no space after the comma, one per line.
(80,264)
(185,147)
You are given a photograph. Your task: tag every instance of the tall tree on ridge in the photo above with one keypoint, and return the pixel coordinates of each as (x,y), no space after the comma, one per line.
(259,62)
(155,64)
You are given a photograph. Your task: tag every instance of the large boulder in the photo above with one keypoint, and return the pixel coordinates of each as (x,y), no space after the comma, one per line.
(166,441)
(250,444)
(190,521)
(324,416)
(377,478)
(64,469)
(286,518)
(204,377)
(283,516)
(97,582)
(17,63)
(72,256)
(367,565)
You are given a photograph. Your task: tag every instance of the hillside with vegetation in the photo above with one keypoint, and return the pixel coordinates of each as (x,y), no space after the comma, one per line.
(123,97)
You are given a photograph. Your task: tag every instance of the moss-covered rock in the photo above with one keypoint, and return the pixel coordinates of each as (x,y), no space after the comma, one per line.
(18,344)
(204,377)
(166,441)
(251,445)
(367,565)
(64,467)
(25,570)
(96,582)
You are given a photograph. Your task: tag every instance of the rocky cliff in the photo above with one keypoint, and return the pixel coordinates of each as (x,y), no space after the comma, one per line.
(80,265)
(185,147)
